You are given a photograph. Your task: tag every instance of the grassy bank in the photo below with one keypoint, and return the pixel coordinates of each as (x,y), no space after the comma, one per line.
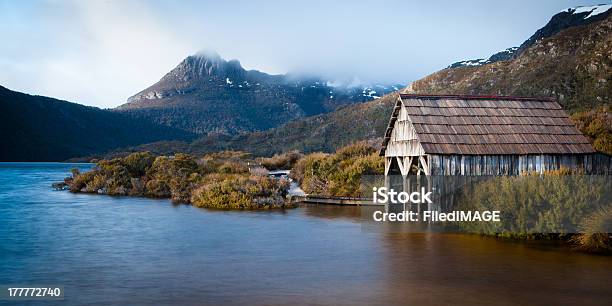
(220,180)
(573,209)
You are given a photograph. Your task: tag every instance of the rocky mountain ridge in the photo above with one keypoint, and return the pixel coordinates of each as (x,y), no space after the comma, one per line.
(207,94)
(571,17)
(574,66)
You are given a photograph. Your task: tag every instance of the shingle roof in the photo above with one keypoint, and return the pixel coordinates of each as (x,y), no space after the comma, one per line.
(454,124)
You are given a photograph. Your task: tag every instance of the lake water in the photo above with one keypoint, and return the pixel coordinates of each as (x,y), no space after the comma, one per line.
(131,251)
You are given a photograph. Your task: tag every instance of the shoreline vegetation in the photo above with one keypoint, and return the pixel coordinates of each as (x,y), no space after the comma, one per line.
(225,180)
(555,206)
(234,180)
(338,174)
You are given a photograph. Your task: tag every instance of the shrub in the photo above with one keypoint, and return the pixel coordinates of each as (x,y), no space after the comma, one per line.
(113,176)
(232,167)
(596,124)
(172,177)
(595,232)
(138,187)
(236,191)
(358,149)
(533,206)
(338,174)
(98,182)
(281,161)
(347,180)
(182,186)
(225,162)
(75,172)
(306,162)
(80,180)
(308,172)
(138,163)
(157,189)
(165,167)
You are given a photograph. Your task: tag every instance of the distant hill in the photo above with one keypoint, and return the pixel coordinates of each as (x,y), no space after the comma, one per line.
(568,59)
(324,132)
(207,94)
(36,128)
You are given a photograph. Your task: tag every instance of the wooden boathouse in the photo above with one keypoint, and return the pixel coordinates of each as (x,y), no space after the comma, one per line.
(485,135)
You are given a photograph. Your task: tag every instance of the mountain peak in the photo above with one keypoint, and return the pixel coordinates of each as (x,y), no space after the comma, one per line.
(206,65)
(206,93)
(212,54)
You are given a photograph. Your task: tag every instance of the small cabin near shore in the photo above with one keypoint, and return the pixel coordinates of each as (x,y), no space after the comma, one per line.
(485,135)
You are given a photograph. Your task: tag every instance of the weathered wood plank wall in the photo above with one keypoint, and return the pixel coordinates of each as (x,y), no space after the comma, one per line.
(404,141)
(517,164)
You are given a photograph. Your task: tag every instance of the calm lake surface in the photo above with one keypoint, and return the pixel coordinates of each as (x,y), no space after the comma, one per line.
(131,251)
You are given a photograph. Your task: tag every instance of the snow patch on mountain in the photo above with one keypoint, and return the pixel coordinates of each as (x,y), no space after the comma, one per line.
(593,10)
(499,56)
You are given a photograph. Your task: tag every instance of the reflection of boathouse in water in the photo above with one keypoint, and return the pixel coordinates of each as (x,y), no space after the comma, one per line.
(448,142)
(485,135)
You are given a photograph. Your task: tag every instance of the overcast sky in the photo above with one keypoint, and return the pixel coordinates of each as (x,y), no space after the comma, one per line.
(101,52)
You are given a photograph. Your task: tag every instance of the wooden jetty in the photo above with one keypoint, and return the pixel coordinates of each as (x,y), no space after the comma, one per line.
(342,201)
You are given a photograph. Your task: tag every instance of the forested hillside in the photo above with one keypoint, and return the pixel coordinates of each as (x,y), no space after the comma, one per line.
(35,128)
